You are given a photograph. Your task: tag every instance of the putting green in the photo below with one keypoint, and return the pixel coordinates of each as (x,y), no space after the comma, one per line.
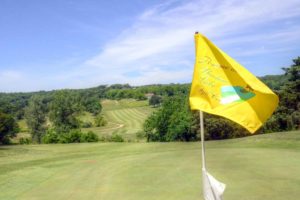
(258,167)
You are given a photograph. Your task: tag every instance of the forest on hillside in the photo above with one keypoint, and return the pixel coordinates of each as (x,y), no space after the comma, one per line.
(52,116)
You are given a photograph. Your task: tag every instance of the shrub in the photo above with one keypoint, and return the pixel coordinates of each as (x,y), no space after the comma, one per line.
(73,136)
(89,137)
(155,100)
(86,124)
(6,140)
(8,128)
(100,121)
(116,138)
(102,139)
(140,134)
(173,121)
(23,140)
(51,137)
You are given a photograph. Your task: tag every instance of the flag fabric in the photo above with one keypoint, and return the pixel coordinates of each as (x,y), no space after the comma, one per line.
(223,87)
(212,188)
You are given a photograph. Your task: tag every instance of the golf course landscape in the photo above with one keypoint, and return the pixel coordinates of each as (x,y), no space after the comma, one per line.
(257,167)
(150,100)
(125,117)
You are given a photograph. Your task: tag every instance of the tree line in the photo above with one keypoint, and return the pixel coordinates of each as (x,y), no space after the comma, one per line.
(53,116)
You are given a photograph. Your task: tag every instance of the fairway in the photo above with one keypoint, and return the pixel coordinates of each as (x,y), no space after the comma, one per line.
(125,117)
(263,167)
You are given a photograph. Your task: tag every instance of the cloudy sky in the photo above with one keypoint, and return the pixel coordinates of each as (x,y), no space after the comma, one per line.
(56,44)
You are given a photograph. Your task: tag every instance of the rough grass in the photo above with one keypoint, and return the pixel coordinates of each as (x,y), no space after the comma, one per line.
(125,117)
(123,103)
(262,167)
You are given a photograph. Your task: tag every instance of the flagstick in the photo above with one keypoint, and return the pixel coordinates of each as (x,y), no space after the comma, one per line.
(202,139)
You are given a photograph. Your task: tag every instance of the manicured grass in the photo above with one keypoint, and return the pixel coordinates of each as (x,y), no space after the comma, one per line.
(262,167)
(125,117)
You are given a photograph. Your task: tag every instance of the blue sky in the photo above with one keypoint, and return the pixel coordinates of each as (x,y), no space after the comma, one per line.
(57,44)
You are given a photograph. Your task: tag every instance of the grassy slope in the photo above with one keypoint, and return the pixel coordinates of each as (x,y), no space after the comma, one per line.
(258,167)
(125,117)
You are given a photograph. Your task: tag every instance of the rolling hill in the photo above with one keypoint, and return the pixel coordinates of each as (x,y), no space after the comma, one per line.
(125,117)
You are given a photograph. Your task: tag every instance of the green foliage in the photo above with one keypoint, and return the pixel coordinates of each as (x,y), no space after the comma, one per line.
(112,138)
(286,117)
(92,104)
(149,127)
(139,96)
(64,110)
(165,90)
(120,86)
(14,104)
(100,120)
(35,115)
(8,127)
(217,128)
(275,82)
(140,135)
(73,136)
(183,126)
(116,138)
(86,124)
(89,137)
(51,137)
(6,140)
(155,100)
(173,121)
(124,93)
(26,140)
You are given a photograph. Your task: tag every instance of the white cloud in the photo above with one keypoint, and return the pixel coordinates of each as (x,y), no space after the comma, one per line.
(162,37)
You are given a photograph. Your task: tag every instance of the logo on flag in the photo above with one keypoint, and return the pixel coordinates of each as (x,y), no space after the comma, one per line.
(231,94)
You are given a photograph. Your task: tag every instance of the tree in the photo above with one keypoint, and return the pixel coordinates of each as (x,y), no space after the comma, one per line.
(183,126)
(64,110)
(154,100)
(286,116)
(92,105)
(139,96)
(35,115)
(8,128)
(173,121)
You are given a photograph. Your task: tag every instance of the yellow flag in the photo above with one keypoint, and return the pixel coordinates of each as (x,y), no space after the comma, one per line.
(223,87)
